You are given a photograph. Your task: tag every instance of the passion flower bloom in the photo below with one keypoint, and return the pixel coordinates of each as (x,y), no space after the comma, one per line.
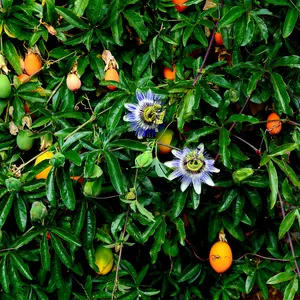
(145,117)
(193,166)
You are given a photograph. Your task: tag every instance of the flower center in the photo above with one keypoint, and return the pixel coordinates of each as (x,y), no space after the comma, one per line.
(194,162)
(153,114)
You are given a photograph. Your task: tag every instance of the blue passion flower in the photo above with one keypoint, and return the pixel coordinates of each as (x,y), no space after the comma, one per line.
(147,115)
(193,166)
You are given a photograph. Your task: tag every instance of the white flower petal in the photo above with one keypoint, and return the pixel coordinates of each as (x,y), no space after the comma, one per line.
(197,187)
(206,179)
(177,153)
(170,164)
(185,183)
(214,170)
(174,175)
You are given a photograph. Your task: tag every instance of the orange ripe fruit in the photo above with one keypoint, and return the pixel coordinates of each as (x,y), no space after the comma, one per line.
(112,74)
(218,38)
(180,5)
(32,63)
(274,124)
(23,77)
(73,82)
(44,173)
(78,178)
(220,257)
(165,137)
(170,74)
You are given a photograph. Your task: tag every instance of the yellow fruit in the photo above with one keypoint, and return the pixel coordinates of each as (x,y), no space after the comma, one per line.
(32,63)
(44,173)
(112,74)
(165,137)
(73,82)
(104,259)
(274,124)
(220,257)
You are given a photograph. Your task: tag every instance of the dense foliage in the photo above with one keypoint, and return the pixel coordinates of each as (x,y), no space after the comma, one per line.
(108,183)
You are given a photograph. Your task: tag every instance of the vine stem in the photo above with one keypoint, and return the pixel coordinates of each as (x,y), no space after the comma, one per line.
(289,235)
(120,255)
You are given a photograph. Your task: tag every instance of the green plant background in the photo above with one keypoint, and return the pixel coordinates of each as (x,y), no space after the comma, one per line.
(160,236)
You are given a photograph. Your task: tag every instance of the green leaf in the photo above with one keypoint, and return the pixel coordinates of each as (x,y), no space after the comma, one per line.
(137,22)
(12,56)
(159,239)
(45,253)
(140,64)
(254,198)
(61,251)
(178,202)
(283,149)
(5,206)
(250,281)
(65,186)
(200,35)
(238,209)
(219,81)
(73,156)
(224,142)
(239,29)
(65,235)
(71,18)
(189,272)
(185,110)
(292,61)
(4,278)
(283,165)
(26,238)
(273,178)
(21,265)
(80,6)
(75,137)
(115,114)
(242,118)
(290,22)
(262,27)
(281,277)
(181,230)
(196,134)
(228,197)
(94,10)
(214,226)
(234,13)
(144,211)
(281,94)
(20,213)
(186,34)
(291,289)
(287,222)
(128,144)
(235,231)
(50,187)
(253,80)
(287,192)
(115,173)
(89,229)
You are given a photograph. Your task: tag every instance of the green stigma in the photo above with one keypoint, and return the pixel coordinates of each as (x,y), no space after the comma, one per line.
(194,162)
(154,114)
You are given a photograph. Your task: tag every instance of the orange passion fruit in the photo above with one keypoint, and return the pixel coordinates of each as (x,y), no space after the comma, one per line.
(32,63)
(179,5)
(218,39)
(112,74)
(220,256)
(45,172)
(23,77)
(73,82)
(274,124)
(170,74)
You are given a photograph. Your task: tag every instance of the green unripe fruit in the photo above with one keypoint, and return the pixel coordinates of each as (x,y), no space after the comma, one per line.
(38,211)
(24,140)
(13,185)
(5,87)
(104,259)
